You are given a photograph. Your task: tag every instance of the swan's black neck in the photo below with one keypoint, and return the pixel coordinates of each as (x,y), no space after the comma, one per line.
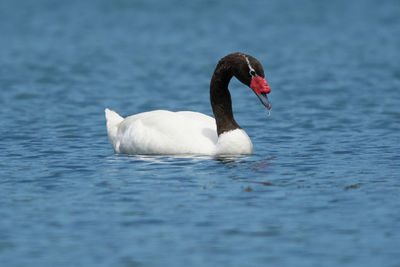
(244,68)
(221,98)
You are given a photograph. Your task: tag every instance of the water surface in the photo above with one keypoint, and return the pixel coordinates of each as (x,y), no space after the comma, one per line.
(321,189)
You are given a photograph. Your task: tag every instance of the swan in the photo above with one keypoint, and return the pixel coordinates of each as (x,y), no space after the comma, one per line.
(162,132)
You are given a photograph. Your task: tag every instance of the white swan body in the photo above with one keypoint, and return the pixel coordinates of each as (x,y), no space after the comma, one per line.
(165,132)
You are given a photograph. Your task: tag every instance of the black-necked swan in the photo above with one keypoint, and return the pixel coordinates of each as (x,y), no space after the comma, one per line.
(186,132)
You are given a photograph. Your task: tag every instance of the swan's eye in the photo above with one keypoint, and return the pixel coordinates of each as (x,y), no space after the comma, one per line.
(252,73)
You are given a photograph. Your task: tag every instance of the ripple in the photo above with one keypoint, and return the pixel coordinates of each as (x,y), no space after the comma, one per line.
(325,168)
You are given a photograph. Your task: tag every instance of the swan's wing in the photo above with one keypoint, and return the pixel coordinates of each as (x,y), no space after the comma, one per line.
(166,132)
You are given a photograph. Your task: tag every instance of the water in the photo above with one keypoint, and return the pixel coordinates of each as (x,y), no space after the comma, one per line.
(321,189)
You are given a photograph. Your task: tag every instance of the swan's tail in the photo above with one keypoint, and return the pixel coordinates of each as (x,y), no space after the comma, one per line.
(113,120)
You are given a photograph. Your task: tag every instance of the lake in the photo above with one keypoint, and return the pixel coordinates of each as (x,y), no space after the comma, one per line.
(321,189)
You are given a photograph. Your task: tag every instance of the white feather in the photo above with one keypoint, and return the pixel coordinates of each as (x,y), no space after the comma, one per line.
(165,132)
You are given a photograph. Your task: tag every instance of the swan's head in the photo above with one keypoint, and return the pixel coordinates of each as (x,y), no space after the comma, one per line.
(250,72)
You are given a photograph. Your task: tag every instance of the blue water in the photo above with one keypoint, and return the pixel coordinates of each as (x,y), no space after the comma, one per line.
(321,189)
